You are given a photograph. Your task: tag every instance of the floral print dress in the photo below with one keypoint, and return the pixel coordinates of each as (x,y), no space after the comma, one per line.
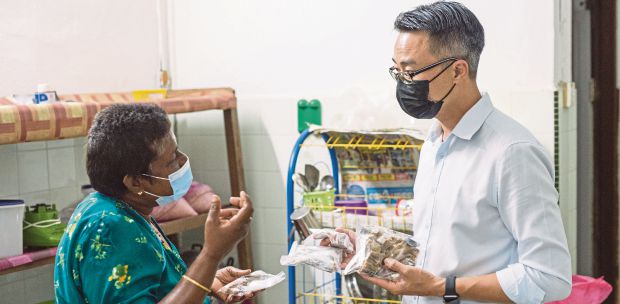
(111,254)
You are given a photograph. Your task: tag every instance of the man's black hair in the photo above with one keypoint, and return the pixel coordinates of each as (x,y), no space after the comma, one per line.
(452,28)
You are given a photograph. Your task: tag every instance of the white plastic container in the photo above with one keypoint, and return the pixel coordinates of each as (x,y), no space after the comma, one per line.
(11,234)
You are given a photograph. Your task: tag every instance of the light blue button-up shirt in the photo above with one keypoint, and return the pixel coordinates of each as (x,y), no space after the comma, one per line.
(485,202)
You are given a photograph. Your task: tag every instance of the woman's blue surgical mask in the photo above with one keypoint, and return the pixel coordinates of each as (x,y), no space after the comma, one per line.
(180,181)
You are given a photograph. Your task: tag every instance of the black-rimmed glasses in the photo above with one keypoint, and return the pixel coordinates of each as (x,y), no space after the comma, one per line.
(407,76)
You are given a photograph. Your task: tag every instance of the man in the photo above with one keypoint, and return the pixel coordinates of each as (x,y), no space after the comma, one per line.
(486,212)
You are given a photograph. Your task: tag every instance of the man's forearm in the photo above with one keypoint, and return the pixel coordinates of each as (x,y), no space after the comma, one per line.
(481,288)
(485,288)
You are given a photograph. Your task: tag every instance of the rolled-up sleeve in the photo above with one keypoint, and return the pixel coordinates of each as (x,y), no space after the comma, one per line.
(528,204)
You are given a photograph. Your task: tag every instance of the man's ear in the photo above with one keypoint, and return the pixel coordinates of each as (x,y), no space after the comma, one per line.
(461,70)
(133,183)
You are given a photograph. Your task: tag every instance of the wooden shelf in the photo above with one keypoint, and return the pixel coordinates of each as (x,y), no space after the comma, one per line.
(171,227)
(35,264)
(184,224)
(178,101)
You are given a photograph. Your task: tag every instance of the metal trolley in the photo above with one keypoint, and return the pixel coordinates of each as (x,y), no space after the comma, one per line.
(327,288)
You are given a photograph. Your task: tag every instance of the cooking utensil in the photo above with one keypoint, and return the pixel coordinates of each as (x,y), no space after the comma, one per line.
(303,219)
(312,176)
(327,183)
(301,181)
(358,287)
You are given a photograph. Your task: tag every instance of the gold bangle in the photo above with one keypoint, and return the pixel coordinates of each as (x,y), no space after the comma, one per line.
(197,284)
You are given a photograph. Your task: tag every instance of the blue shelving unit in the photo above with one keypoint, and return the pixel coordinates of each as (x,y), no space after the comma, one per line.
(290,193)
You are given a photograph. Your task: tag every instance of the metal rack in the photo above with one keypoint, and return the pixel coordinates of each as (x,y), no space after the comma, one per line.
(332,217)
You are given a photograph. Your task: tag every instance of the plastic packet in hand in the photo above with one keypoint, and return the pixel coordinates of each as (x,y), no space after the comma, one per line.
(255,281)
(322,258)
(376,243)
(336,239)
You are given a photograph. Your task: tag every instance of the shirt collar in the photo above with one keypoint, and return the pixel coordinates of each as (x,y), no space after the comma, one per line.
(434,131)
(469,124)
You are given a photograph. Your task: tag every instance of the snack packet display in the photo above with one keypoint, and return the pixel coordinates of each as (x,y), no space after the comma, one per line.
(323,258)
(255,281)
(337,239)
(376,243)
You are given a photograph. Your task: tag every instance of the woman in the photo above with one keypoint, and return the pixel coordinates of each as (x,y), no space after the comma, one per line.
(113,251)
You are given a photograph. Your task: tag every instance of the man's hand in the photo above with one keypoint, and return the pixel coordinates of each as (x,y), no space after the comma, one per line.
(346,257)
(225,276)
(412,281)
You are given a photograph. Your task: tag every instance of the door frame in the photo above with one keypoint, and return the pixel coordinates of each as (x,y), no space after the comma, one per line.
(605,139)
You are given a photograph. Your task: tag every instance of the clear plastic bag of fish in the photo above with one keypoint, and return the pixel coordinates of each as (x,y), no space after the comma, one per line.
(374,244)
(336,239)
(255,281)
(323,258)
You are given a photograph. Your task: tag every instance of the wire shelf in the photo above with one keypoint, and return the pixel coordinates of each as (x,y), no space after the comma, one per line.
(384,161)
(366,196)
(329,299)
(374,142)
(319,295)
(382,167)
(353,217)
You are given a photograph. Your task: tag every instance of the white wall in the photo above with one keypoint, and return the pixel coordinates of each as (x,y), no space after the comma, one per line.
(75,46)
(274,52)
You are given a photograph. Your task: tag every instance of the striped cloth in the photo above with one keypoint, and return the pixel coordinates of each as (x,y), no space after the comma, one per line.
(73,116)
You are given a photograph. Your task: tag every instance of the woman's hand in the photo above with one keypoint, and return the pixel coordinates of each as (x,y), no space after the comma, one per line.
(223,230)
(346,257)
(225,276)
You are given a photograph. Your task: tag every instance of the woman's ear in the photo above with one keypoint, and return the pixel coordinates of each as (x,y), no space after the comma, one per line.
(133,184)
(461,70)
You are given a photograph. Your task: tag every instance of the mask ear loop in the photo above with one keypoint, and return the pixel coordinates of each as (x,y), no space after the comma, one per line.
(450,91)
(157,177)
(149,193)
(444,69)
(454,85)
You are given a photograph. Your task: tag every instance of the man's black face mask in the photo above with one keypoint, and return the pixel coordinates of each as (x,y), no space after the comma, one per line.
(412,95)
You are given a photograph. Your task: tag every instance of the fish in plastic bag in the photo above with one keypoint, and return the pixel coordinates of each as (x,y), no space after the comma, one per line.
(255,281)
(374,244)
(323,258)
(336,239)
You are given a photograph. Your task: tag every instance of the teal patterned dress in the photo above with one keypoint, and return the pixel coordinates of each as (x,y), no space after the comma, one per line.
(110,254)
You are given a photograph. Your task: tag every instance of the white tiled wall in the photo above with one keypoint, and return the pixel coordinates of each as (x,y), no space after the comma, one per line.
(32,286)
(43,172)
(39,172)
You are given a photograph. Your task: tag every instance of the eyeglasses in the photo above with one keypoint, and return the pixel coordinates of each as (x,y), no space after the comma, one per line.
(406,77)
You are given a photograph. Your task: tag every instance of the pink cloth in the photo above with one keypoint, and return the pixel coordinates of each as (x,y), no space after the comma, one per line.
(173,211)
(197,200)
(200,197)
(26,258)
(587,290)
